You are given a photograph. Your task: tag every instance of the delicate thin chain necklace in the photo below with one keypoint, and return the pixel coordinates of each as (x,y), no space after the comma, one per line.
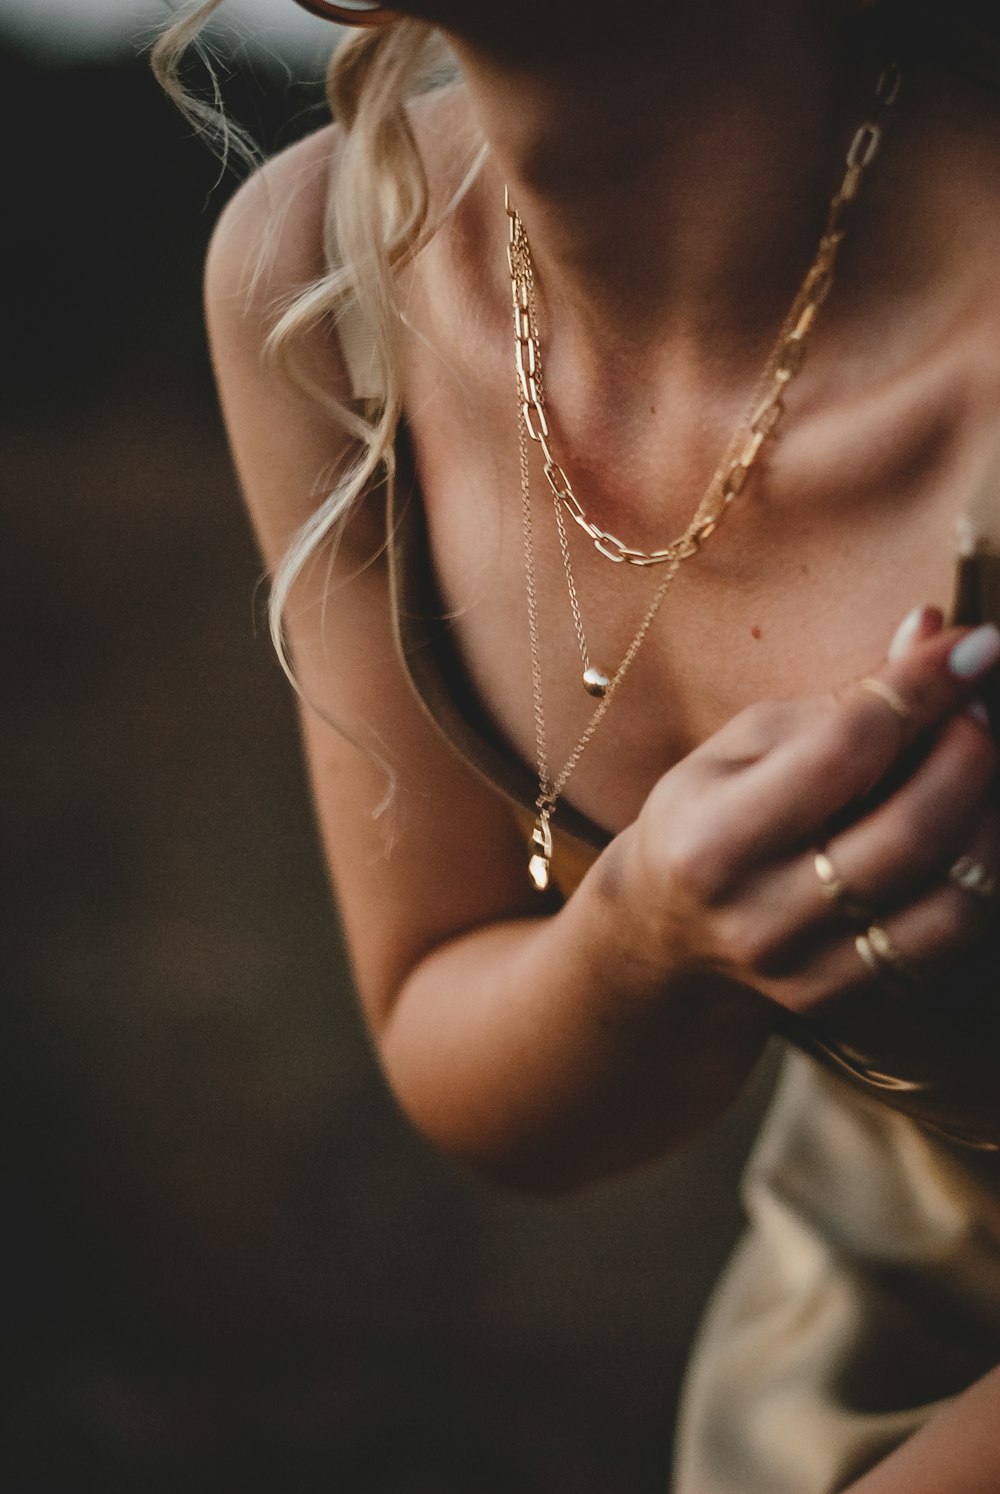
(728,481)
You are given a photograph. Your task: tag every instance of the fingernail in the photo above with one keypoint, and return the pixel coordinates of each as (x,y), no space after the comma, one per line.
(979,713)
(905,634)
(977,652)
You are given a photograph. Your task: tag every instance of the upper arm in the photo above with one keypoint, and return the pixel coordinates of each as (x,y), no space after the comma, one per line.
(445,854)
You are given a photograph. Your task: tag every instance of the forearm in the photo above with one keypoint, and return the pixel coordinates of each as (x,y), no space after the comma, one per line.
(550,1051)
(546,1052)
(957,1452)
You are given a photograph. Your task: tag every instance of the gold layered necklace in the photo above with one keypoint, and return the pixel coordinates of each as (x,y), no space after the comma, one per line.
(765,410)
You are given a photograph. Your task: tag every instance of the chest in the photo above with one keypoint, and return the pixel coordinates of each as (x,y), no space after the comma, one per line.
(848,522)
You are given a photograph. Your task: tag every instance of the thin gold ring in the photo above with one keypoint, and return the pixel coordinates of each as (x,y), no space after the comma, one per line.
(836,890)
(883,960)
(892,697)
(975,878)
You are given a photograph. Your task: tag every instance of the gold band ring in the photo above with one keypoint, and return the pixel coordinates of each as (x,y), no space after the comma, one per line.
(975,878)
(883,960)
(892,697)
(836,890)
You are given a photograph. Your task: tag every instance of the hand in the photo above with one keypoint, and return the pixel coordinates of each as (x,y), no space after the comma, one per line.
(723,856)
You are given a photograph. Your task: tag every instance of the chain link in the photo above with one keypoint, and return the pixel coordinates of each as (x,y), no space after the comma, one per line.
(782,366)
(765,411)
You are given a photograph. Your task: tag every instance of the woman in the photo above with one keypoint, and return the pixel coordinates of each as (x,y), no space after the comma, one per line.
(756,820)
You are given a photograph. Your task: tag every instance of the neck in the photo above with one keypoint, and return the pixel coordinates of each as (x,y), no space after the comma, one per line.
(674,175)
(679,177)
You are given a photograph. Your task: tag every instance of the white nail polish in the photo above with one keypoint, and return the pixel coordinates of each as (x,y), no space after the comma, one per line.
(979,713)
(977,652)
(905,634)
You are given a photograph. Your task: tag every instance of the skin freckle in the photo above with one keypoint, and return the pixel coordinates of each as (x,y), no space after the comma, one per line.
(755,631)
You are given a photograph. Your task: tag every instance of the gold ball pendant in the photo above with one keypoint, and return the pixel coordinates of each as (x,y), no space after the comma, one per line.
(595,682)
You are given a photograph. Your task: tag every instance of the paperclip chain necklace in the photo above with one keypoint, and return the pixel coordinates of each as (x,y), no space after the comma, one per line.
(728,481)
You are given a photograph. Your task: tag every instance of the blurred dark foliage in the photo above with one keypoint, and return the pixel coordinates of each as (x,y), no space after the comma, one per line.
(231,1267)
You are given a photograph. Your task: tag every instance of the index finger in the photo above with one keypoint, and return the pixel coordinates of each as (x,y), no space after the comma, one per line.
(867,730)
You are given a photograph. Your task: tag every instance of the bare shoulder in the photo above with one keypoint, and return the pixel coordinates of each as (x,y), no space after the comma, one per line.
(269,239)
(267,249)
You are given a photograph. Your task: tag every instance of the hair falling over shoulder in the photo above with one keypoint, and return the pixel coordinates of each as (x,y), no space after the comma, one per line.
(376,218)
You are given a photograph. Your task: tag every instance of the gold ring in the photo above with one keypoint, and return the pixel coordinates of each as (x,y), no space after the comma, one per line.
(836,890)
(883,960)
(973,877)
(892,697)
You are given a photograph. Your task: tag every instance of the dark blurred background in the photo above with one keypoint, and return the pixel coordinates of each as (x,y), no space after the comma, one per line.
(231,1268)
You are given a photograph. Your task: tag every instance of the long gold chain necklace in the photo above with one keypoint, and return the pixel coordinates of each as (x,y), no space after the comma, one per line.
(728,482)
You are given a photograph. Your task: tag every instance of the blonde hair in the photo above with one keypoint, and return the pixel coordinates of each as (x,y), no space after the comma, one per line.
(376,219)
